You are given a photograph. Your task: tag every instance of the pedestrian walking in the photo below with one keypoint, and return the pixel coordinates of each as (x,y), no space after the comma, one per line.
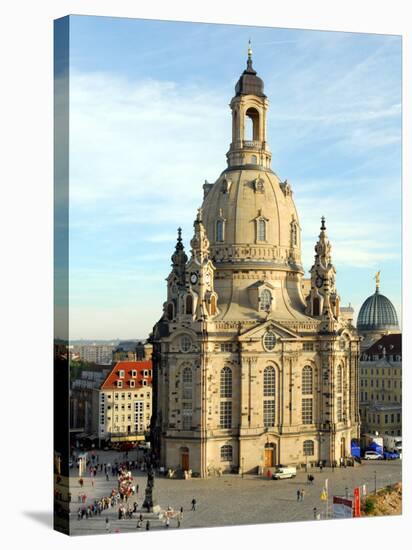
(107,525)
(147,525)
(194,504)
(181,512)
(321,466)
(298,495)
(302,495)
(139,524)
(167,522)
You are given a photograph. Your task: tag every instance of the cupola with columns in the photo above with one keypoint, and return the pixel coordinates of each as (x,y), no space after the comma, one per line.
(249,105)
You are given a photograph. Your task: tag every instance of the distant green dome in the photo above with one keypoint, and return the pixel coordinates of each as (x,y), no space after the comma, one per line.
(377,313)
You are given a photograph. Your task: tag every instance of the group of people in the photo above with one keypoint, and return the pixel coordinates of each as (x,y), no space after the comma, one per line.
(300,494)
(119,497)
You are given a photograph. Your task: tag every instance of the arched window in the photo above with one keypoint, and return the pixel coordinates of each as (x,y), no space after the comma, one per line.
(226,382)
(308,448)
(265,300)
(226,395)
(187,383)
(253,159)
(316,307)
(220,237)
(294,234)
(339,379)
(339,390)
(307,380)
(269,403)
(170,311)
(252,124)
(269,382)
(187,396)
(226,453)
(307,391)
(261,230)
(189,304)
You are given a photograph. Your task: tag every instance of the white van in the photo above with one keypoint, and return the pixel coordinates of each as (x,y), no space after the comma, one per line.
(284,472)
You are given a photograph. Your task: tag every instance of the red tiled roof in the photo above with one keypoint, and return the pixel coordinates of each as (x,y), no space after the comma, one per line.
(128,366)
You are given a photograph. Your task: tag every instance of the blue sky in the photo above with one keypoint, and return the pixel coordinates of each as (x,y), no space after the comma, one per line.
(149,122)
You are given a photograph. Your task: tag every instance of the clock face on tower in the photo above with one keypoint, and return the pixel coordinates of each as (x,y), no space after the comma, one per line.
(318,281)
(193,278)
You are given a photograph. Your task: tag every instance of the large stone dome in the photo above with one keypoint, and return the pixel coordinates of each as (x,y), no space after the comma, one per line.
(251,220)
(377,314)
(260,226)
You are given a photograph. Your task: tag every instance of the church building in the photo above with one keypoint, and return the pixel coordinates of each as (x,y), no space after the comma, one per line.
(249,372)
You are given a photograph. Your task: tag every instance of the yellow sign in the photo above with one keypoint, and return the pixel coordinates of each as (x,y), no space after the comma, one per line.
(324,495)
(122,438)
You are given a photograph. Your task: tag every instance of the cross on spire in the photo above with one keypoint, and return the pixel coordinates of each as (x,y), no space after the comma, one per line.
(323,226)
(249,58)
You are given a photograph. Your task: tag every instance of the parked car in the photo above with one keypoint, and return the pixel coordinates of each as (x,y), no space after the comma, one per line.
(372,455)
(284,473)
(390,455)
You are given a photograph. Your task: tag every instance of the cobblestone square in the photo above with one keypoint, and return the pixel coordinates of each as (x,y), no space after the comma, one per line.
(229,499)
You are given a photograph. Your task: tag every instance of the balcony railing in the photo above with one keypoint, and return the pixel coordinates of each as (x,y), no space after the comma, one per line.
(252,144)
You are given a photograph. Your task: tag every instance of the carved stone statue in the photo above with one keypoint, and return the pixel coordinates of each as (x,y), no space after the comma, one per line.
(148,501)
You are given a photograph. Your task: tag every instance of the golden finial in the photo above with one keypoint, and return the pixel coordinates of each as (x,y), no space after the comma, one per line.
(249,50)
(377,278)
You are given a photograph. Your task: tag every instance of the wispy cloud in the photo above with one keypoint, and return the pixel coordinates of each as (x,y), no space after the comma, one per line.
(142,146)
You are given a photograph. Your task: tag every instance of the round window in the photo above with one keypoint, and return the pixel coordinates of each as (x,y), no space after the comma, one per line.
(185,343)
(269,341)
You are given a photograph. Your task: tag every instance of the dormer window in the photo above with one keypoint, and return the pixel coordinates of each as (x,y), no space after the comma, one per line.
(145,373)
(132,383)
(121,373)
(119,384)
(261,233)
(265,300)
(134,373)
(294,233)
(220,231)
(261,228)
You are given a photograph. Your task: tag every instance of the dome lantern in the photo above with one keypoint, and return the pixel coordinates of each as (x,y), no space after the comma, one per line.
(249,107)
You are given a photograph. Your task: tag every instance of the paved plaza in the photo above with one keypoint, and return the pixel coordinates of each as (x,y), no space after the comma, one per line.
(229,499)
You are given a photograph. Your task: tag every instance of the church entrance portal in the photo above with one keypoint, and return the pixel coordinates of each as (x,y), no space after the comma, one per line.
(184,461)
(270,455)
